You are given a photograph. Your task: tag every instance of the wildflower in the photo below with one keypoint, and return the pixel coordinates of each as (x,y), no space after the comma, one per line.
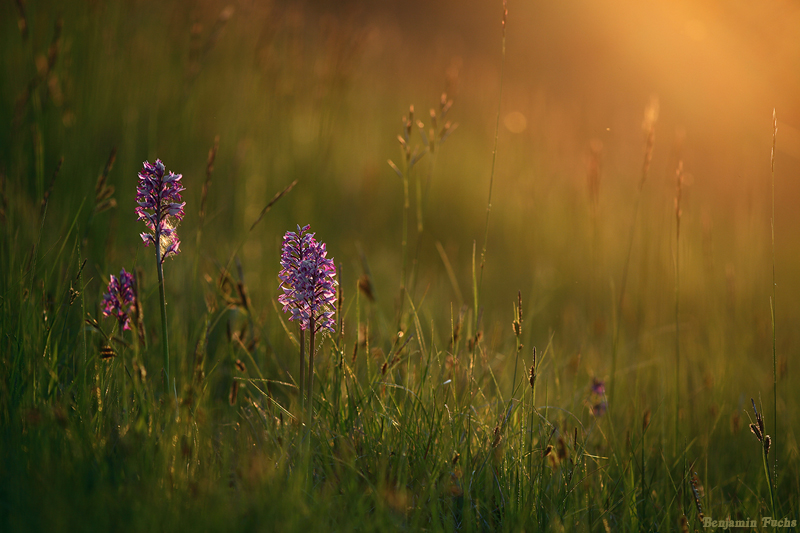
(119,301)
(160,207)
(598,401)
(308,281)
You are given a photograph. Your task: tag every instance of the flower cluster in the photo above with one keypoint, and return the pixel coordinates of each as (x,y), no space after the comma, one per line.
(160,207)
(308,281)
(120,298)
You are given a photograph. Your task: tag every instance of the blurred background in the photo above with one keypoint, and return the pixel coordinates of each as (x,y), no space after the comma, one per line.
(317,91)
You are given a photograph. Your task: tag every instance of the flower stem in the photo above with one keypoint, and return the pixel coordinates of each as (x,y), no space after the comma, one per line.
(302,370)
(163,302)
(311,369)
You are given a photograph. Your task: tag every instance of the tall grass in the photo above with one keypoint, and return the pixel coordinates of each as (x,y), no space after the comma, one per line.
(678,213)
(772,300)
(649,129)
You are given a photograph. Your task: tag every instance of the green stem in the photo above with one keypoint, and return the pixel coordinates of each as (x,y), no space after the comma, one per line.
(419,206)
(136,382)
(769,478)
(164,338)
(83,311)
(125,406)
(643,512)
(406,207)
(623,284)
(311,370)
(302,370)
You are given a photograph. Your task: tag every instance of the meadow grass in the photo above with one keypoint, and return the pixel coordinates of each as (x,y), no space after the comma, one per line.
(416,417)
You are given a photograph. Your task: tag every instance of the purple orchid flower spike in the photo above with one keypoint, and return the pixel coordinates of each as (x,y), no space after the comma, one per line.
(160,207)
(309,295)
(308,281)
(119,299)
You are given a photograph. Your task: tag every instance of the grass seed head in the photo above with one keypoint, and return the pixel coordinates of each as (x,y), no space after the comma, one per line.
(649,128)
(234,392)
(562,450)
(757,432)
(365,287)
(475,341)
(697,492)
(49,190)
(103,192)
(497,436)
(212,156)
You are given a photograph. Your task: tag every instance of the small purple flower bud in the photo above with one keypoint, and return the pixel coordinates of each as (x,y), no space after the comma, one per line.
(119,300)
(598,401)
(160,207)
(308,281)
(598,387)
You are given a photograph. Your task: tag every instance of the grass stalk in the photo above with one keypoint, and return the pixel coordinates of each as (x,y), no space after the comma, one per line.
(494,159)
(404,245)
(517,325)
(83,312)
(772,305)
(650,117)
(212,155)
(678,194)
(765,462)
(419,208)
(477,283)
(759,429)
